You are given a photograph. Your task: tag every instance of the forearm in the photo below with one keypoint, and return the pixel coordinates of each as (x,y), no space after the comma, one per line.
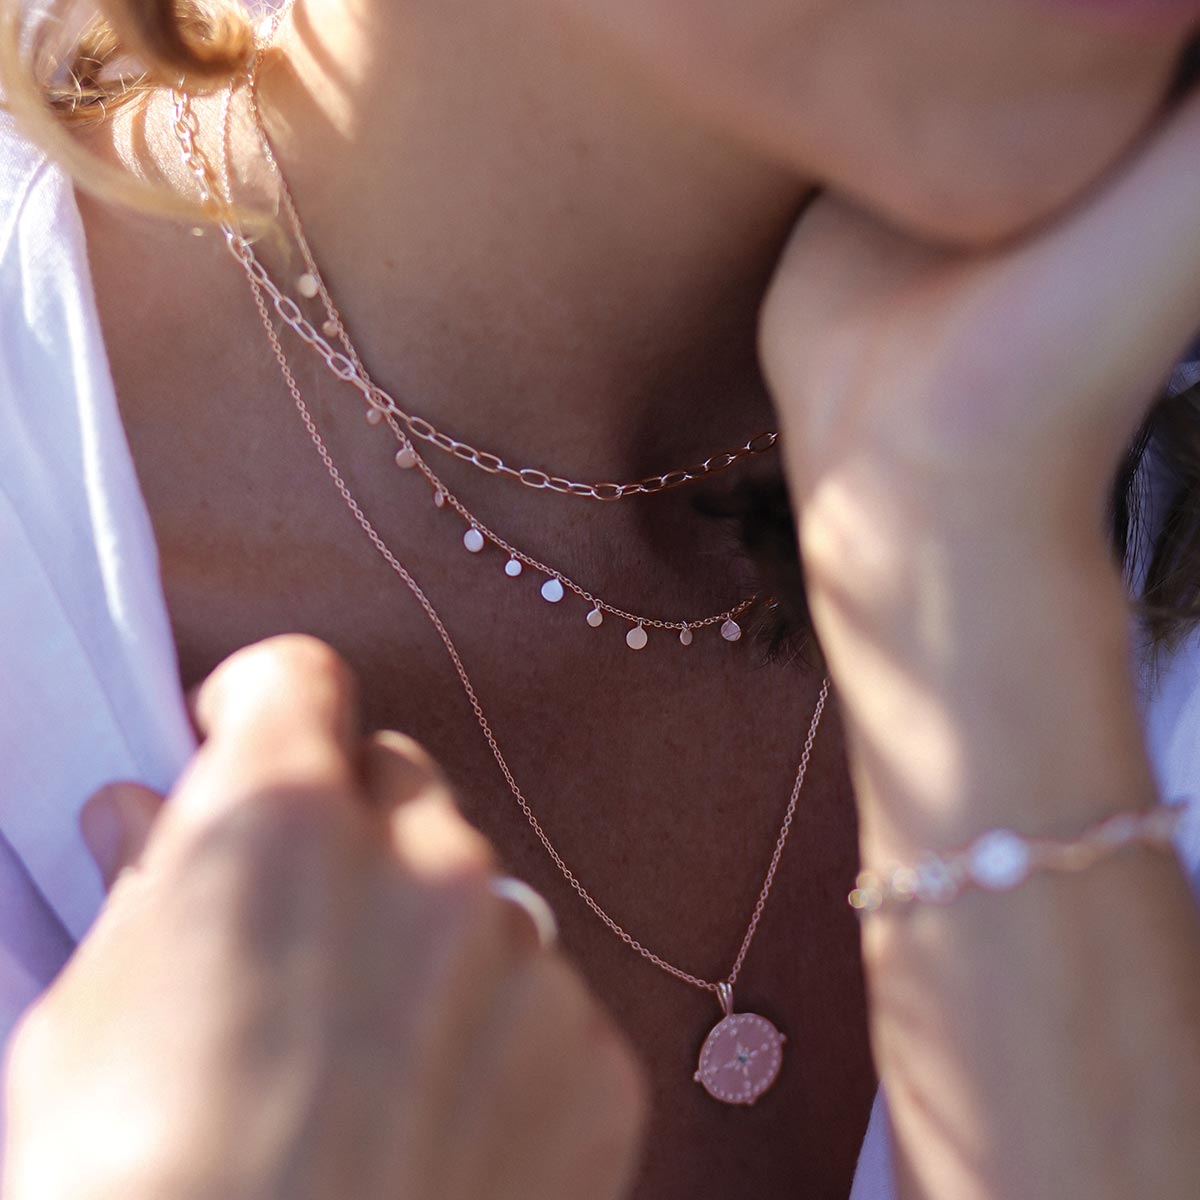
(1044,1041)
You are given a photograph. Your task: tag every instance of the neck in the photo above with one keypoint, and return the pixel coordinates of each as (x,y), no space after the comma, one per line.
(525,239)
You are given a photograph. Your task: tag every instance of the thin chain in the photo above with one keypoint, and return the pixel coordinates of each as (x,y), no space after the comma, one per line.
(288,312)
(185,126)
(422,429)
(590,597)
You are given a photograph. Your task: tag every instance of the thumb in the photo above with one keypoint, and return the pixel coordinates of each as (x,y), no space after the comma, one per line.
(116,823)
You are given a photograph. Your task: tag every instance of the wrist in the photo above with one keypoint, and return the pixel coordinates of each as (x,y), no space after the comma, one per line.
(922,570)
(1040,744)
(984,675)
(881,532)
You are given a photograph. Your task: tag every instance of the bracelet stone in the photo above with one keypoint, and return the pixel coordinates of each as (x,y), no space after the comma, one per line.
(1000,860)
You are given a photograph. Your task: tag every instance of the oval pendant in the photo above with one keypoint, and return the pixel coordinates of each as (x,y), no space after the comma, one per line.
(741,1056)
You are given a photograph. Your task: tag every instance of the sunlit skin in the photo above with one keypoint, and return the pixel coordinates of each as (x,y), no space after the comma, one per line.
(951,522)
(553,227)
(962,119)
(306,1063)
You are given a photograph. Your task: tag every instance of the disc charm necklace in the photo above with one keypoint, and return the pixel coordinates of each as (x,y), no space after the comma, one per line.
(742,1055)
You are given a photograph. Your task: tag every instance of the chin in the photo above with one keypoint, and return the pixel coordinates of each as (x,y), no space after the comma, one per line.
(965,121)
(1008,177)
(965,160)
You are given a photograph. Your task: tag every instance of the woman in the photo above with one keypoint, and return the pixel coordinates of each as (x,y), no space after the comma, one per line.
(549,229)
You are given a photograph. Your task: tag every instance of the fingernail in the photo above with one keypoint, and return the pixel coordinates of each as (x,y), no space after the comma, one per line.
(103,828)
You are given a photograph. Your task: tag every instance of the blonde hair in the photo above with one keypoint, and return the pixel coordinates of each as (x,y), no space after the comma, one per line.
(54,80)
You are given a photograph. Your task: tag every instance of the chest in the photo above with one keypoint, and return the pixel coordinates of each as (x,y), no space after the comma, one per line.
(661,776)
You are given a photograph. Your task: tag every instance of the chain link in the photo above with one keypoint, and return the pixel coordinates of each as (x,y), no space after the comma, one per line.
(186,131)
(349,368)
(423,429)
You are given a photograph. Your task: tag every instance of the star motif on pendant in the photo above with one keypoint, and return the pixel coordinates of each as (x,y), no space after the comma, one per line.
(743,1057)
(740,1058)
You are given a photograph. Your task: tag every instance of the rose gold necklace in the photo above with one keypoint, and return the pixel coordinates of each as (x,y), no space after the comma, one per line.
(311,285)
(478,535)
(742,1054)
(347,366)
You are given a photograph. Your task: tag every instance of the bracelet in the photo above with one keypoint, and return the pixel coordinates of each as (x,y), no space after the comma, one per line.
(999,860)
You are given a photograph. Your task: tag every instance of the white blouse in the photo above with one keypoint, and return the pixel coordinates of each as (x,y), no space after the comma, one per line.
(89,689)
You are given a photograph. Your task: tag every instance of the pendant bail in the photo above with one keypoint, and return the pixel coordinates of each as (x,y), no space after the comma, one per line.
(725,996)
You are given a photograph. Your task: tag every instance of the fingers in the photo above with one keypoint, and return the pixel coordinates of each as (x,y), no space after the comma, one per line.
(431,841)
(278,717)
(550,1059)
(116,823)
(278,694)
(397,769)
(279,721)
(530,917)
(280,725)
(429,837)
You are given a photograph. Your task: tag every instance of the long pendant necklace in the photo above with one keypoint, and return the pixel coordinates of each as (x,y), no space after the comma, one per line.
(741,1056)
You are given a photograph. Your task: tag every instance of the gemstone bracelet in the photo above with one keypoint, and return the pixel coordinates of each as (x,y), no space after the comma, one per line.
(999,860)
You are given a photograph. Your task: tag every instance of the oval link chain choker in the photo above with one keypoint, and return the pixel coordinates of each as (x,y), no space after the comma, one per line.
(742,1055)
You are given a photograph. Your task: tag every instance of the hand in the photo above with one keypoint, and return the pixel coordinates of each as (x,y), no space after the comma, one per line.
(305,989)
(995,388)
(951,424)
